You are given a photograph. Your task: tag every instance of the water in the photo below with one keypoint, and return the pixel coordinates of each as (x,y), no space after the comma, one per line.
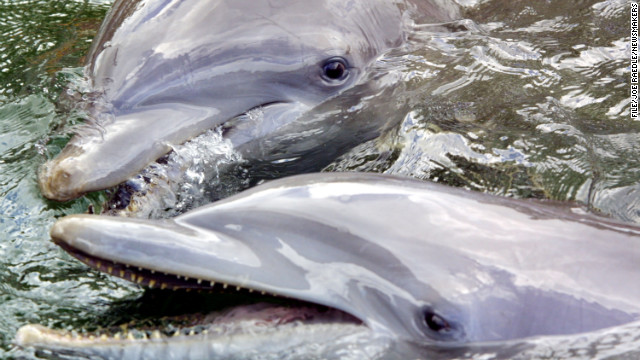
(38,282)
(532,101)
(524,99)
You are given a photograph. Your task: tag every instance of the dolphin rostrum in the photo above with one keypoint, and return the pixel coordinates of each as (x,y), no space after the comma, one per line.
(417,263)
(163,72)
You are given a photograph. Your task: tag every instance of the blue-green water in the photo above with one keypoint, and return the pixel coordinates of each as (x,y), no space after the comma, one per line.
(38,39)
(531,101)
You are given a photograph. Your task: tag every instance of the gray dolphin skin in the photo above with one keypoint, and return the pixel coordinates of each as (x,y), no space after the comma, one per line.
(165,71)
(456,270)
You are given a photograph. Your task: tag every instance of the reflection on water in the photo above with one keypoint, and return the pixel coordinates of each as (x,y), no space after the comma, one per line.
(525,99)
(532,100)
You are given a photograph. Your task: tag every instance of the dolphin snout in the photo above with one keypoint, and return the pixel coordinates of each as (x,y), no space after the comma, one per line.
(61,179)
(59,230)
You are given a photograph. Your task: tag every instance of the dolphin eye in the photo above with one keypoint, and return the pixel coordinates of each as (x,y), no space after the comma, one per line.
(436,323)
(335,69)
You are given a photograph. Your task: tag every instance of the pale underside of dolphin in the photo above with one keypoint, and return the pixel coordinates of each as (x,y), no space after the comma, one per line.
(419,264)
(163,72)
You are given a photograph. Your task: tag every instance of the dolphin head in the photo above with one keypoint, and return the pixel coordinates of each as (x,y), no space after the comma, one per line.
(386,298)
(418,262)
(243,245)
(165,71)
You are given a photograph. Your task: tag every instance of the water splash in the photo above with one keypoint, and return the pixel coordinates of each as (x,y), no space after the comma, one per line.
(187,177)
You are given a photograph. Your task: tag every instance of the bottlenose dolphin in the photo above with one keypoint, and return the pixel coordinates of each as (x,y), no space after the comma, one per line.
(165,71)
(420,264)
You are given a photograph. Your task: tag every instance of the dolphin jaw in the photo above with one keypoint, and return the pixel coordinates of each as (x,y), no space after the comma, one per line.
(81,168)
(248,324)
(69,233)
(75,235)
(156,279)
(268,316)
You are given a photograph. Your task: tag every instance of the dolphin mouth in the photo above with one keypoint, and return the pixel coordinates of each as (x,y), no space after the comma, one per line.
(106,155)
(217,148)
(257,313)
(253,324)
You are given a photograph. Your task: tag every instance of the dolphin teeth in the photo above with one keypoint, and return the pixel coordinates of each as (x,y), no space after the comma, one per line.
(199,281)
(98,264)
(212,283)
(117,336)
(152,283)
(130,336)
(192,332)
(163,286)
(133,277)
(110,269)
(156,335)
(153,271)
(122,273)
(225,285)
(250,290)
(263,292)
(238,288)
(104,337)
(139,268)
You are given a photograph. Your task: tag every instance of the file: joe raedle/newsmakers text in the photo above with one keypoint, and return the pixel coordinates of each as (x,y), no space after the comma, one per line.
(634,61)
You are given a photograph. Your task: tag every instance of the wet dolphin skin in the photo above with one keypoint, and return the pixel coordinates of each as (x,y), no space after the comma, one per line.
(419,264)
(163,72)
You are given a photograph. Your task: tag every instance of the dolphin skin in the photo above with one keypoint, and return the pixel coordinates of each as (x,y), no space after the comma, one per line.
(163,72)
(421,265)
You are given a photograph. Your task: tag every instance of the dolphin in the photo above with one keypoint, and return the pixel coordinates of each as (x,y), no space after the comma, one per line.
(419,264)
(164,71)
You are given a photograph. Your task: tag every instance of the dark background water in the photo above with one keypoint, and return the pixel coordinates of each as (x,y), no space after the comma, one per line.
(531,101)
